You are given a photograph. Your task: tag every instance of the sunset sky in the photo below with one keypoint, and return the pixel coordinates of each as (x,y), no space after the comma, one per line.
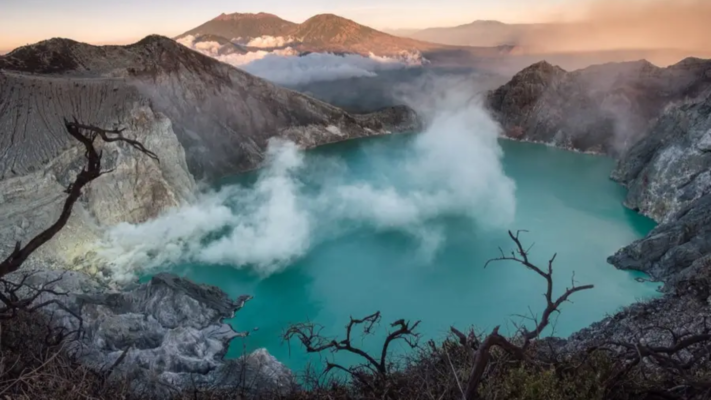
(99,21)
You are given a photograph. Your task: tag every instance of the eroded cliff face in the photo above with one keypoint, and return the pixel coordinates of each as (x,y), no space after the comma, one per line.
(657,122)
(603,108)
(668,174)
(39,160)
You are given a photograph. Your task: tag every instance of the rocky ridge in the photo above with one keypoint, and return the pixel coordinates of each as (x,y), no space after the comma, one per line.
(602,109)
(203,118)
(170,329)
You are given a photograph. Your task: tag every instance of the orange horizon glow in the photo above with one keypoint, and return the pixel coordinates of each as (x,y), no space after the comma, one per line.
(608,25)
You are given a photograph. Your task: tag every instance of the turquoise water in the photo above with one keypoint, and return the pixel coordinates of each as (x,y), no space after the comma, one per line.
(565,200)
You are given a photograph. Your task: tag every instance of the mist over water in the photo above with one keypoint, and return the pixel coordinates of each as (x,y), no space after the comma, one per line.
(434,271)
(452,169)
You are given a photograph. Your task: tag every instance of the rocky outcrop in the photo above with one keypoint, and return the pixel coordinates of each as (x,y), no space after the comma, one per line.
(603,109)
(171,330)
(668,174)
(38,160)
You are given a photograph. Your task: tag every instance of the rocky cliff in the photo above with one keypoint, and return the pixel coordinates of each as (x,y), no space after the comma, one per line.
(668,174)
(603,109)
(222,116)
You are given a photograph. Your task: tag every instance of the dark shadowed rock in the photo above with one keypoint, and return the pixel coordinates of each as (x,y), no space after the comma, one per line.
(668,174)
(603,108)
(171,328)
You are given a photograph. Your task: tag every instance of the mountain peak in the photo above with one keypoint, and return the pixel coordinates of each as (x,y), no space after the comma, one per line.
(331,19)
(243,16)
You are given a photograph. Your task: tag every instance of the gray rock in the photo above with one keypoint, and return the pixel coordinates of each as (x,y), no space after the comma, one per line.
(669,178)
(172,330)
(603,108)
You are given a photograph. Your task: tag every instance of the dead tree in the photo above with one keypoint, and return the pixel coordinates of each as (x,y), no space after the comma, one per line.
(16,296)
(86,135)
(10,297)
(515,347)
(310,336)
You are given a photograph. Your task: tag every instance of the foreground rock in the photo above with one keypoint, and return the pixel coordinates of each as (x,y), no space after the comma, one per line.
(171,330)
(603,108)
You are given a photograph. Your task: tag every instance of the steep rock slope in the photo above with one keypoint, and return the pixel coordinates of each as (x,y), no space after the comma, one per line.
(38,160)
(668,174)
(203,118)
(172,330)
(223,117)
(244,26)
(604,108)
(666,171)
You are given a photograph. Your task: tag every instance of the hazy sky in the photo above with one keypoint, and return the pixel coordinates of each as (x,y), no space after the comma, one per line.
(102,21)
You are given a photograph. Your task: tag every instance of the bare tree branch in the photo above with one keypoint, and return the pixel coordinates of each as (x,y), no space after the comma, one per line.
(310,337)
(86,135)
(481,355)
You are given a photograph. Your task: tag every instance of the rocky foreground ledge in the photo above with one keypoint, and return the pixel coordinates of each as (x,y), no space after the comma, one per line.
(168,333)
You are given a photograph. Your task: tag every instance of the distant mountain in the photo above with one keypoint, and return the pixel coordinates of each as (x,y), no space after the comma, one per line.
(244,26)
(478,33)
(322,33)
(401,31)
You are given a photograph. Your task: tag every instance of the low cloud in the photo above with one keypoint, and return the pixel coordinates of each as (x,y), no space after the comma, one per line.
(269,41)
(313,67)
(286,66)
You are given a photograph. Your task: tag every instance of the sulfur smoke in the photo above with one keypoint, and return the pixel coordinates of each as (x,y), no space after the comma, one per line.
(452,169)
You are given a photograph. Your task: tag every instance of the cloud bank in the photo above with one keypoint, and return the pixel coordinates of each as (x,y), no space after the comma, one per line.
(269,41)
(286,66)
(452,169)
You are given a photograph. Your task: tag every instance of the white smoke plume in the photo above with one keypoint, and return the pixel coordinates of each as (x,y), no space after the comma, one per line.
(298,201)
(284,66)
